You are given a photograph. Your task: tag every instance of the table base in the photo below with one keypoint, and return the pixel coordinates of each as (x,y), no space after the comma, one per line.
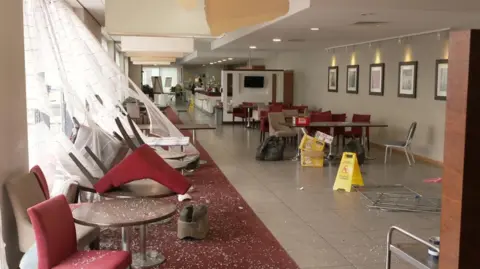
(149,259)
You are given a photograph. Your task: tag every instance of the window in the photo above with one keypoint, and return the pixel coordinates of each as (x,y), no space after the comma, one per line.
(169,76)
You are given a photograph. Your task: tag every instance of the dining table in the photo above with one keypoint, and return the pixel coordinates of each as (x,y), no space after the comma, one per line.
(125,214)
(332,125)
(194,127)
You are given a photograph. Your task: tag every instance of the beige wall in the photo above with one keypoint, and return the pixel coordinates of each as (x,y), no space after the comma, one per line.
(13,142)
(311,88)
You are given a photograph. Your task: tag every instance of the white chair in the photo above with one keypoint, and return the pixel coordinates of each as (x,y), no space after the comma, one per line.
(403,145)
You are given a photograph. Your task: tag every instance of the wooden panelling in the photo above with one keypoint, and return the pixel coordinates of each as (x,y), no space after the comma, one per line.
(460,237)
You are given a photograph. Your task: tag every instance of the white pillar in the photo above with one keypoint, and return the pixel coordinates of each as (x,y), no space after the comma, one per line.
(13,117)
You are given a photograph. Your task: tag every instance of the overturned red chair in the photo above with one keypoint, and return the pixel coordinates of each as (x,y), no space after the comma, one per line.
(143,163)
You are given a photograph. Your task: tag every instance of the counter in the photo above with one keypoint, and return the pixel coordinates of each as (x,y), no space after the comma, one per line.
(206,101)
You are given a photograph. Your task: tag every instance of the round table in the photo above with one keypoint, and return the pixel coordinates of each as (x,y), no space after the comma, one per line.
(125,213)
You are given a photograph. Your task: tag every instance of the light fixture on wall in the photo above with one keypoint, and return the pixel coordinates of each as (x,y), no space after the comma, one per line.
(252,47)
(230,59)
(276,40)
(314,29)
(212,63)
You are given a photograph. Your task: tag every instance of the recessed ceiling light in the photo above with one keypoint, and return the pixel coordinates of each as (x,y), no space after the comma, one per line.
(224,60)
(253,47)
(219,61)
(211,63)
(230,59)
(277,40)
(314,28)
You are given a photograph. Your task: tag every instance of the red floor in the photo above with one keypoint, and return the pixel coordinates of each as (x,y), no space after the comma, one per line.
(237,237)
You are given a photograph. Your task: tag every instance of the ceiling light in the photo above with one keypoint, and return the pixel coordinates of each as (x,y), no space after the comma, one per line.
(314,28)
(219,61)
(230,59)
(212,63)
(277,40)
(253,47)
(224,60)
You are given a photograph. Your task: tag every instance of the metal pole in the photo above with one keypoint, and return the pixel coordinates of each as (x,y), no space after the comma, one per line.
(143,242)
(126,238)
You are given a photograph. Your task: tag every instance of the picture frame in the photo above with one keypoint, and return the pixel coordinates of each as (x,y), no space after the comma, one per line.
(441,79)
(333,79)
(407,79)
(377,79)
(352,78)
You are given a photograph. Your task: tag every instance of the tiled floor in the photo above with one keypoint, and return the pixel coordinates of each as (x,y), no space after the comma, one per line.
(320,228)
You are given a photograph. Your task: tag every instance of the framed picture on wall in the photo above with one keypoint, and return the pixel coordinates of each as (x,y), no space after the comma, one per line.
(407,79)
(441,79)
(377,79)
(333,78)
(352,78)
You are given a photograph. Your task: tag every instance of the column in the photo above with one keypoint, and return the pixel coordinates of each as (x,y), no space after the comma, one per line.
(460,235)
(13,117)
(111,49)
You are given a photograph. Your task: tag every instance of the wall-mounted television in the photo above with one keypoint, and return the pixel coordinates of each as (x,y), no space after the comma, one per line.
(253,82)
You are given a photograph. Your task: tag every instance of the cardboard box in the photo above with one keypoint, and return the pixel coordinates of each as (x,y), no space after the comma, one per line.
(310,158)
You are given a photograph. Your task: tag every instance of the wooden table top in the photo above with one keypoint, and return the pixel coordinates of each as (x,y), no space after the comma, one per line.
(123,212)
(194,126)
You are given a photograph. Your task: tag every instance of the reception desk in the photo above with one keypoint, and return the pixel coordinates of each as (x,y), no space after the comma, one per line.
(206,101)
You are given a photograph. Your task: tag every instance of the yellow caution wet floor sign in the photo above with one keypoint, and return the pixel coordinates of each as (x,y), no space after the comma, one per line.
(348,173)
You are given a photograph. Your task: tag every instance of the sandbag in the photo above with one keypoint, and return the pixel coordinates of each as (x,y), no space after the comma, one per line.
(357,148)
(271,149)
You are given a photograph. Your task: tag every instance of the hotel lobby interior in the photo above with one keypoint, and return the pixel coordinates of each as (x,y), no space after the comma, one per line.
(274,134)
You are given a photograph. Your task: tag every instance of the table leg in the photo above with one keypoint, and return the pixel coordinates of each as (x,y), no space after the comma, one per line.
(146,258)
(126,238)
(194,137)
(331,156)
(365,148)
(249,119)
(299,140)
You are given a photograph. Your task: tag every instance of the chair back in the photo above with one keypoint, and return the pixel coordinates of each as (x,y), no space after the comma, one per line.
(135,131)
(24,192)
(290,113)
(133,110)
(83,169)
(411,133)
(42,180)
(275,120)
(339,118)
(357,131)
(321,116)
(125,135)
(275,108)
(54,230)
(97,160)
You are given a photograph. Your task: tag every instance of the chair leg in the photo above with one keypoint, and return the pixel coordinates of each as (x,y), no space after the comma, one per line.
(386,154)
(368,144)
(411,154)
(407,155)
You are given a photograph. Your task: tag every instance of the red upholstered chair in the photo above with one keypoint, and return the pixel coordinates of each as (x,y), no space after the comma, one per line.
(143,163)
(42,181)
(356,132)
(320,117)
(277,107)
(56,241)
(264,126)
(239,112)
(301,109)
